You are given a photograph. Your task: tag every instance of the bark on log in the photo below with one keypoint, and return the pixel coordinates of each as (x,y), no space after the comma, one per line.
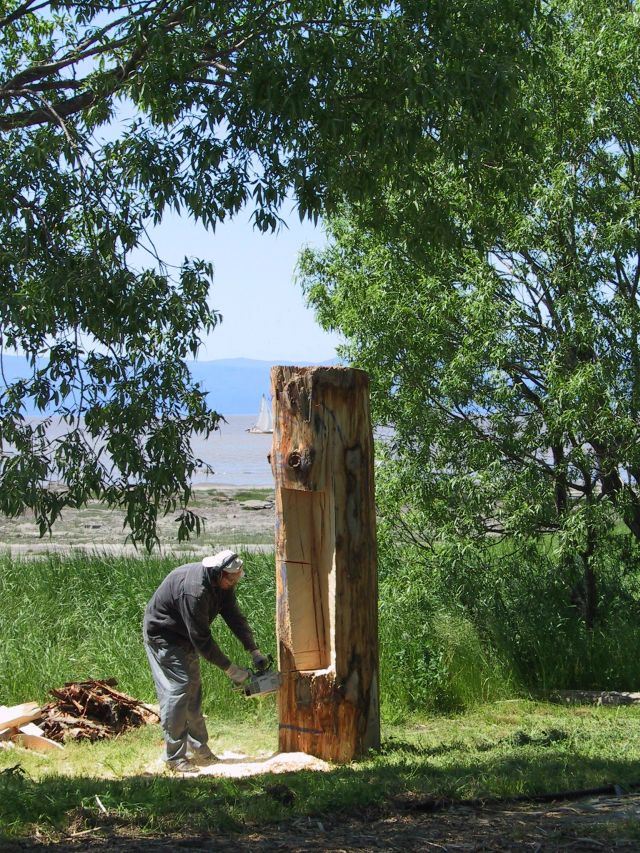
(322,459)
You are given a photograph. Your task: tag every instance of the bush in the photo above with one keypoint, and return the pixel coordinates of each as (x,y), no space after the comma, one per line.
(433,658)
(466,623)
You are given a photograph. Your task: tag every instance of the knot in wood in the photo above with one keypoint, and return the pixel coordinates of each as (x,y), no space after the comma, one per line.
(294,460)
(301,461)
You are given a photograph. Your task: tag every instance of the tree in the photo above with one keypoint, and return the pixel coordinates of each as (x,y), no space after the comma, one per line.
(503,349)
(114,112)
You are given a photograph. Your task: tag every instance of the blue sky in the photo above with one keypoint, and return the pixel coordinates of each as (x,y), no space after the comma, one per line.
(264,315)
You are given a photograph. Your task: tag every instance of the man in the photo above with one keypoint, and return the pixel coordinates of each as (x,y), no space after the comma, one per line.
(176,631)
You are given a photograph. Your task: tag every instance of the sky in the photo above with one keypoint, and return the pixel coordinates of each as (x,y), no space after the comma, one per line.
(264,314)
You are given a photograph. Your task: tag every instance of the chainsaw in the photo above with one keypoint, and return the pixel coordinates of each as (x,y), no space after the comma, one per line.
(261,681)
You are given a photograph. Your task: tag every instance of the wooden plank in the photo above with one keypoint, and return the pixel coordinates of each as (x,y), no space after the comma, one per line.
(32,737)
(17,715)
(32,729)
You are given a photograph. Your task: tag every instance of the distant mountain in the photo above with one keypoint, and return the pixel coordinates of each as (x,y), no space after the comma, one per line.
(234,386)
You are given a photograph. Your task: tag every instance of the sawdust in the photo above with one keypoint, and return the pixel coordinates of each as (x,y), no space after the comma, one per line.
(237,765)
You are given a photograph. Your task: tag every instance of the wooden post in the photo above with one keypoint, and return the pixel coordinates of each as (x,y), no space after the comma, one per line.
(327,591)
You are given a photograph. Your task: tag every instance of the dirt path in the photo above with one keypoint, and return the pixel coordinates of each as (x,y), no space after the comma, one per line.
(594,823)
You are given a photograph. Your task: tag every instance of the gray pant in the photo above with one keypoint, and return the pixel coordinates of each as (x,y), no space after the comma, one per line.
(176,673)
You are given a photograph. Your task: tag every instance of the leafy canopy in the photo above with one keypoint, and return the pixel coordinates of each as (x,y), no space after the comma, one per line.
(503,348)
(113,112)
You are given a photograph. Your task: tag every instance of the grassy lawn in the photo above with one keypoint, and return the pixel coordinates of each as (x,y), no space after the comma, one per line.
(502,749)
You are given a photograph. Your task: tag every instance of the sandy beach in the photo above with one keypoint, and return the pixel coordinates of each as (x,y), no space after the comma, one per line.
(233,516)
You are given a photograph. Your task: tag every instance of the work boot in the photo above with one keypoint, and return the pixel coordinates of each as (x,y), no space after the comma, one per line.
(203,756)
(182,765)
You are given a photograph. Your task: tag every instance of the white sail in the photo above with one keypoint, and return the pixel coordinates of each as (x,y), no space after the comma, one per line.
(264,422)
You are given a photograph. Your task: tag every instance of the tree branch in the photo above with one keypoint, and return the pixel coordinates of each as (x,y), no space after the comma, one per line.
(21,11)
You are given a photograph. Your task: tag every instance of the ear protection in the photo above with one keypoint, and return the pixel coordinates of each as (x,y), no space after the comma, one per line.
(228,562)
(222,562)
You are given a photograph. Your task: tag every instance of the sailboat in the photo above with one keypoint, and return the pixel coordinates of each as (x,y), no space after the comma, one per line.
(264,423)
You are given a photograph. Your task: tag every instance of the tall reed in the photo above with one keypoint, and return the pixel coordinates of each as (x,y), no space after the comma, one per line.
(80,617)
(457,627)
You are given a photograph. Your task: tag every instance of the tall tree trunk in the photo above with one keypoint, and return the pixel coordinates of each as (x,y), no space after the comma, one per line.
(322,457)
(561,490)
(584,595)
(620,493)
(590,590)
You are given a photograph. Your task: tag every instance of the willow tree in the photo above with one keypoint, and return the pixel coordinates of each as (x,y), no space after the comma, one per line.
(503,347)
(113,113)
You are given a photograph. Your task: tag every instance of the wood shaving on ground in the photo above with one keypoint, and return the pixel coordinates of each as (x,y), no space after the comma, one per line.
(236,765)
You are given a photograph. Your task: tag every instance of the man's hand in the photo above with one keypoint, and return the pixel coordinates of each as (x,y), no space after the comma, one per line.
(260,660)
(237,674)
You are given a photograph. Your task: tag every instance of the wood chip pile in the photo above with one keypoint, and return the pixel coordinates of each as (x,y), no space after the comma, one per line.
(83,710)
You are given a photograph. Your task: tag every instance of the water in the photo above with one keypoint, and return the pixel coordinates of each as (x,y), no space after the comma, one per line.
(239,458)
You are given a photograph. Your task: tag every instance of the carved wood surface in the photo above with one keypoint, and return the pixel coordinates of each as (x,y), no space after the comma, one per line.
(322,458)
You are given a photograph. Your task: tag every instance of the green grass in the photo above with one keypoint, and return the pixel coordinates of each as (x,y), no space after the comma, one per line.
(464,623)
(503,749)
(253,495)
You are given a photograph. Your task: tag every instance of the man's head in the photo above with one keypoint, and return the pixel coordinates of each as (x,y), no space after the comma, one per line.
(229,568)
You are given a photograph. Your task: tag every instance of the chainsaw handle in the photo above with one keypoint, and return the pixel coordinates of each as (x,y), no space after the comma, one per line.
(265,667)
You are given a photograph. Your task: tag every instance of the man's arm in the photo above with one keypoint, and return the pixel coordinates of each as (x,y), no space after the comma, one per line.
(236,620)
(194,614)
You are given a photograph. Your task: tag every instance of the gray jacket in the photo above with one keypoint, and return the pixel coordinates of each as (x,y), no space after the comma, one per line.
(185,604)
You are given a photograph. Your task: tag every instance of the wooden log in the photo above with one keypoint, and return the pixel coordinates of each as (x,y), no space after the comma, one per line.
(322,460)
(594,697)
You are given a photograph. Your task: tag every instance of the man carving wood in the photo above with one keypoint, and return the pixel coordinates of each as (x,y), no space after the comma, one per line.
(176,632)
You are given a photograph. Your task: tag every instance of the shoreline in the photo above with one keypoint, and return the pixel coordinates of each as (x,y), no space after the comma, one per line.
(232,487)
(230,519)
